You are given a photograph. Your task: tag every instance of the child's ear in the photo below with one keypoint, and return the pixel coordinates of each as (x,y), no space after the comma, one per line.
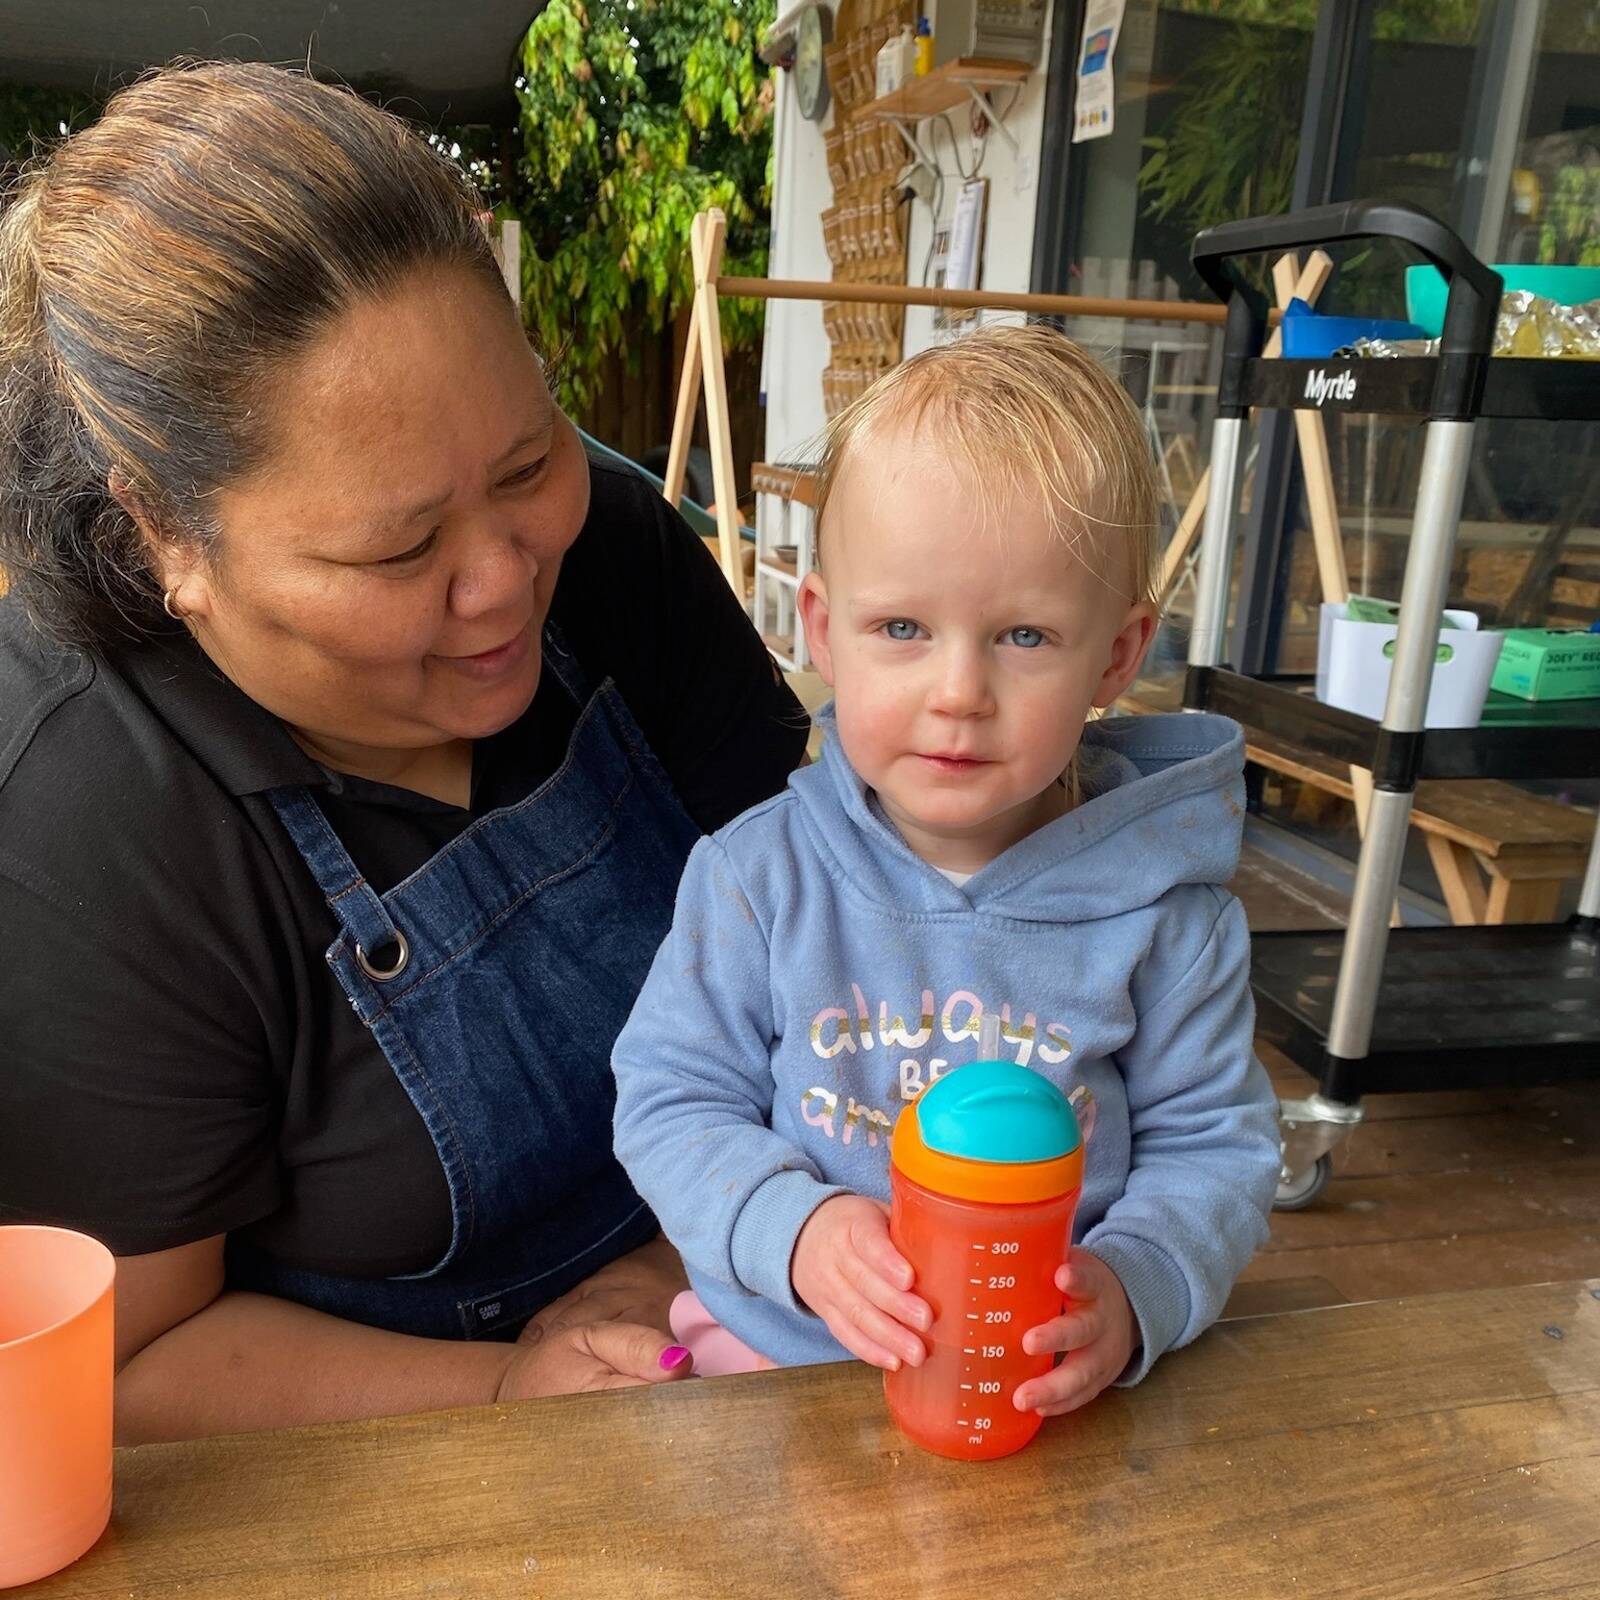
(812,599)
(1127,653)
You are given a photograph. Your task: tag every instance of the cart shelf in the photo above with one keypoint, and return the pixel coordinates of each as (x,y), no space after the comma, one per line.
(1516,739)
(1550,391)
(1373,1010)
(1457,1007)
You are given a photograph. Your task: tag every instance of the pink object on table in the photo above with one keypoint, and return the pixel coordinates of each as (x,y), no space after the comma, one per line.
(716,1351)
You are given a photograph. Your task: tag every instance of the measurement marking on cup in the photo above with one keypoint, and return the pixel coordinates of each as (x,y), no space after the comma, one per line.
(966,1386)
(967,1352)
(972,1316)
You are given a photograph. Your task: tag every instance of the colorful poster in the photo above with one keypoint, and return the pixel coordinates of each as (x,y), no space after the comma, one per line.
(1095,104)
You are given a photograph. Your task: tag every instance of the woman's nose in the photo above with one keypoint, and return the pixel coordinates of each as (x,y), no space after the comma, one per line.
(495,573)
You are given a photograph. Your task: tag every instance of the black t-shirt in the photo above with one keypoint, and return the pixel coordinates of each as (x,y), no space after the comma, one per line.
(176,1058)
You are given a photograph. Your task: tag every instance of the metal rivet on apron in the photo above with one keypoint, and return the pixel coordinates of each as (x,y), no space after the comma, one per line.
(384,974)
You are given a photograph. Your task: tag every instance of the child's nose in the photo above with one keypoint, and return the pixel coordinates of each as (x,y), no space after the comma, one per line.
(962,687)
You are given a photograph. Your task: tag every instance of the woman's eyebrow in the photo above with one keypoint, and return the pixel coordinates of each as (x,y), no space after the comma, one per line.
(537,434)
(382,523)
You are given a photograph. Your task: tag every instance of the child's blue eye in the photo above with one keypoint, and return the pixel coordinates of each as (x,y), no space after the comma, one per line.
(901,628)
(1026,638)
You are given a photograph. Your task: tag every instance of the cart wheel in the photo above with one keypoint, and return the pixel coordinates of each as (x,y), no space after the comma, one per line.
(1297,1190)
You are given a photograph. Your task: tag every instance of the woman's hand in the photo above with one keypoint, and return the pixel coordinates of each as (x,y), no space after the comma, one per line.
(848,1271)
(638,1288)
(1097,1331)
(576,1358)
(608,1333)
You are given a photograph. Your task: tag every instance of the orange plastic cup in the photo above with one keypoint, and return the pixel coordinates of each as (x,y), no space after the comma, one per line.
(958,1402)
(985,1172)
(56,1370)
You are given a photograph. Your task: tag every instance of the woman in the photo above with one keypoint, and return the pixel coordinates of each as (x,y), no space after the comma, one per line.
(353,732)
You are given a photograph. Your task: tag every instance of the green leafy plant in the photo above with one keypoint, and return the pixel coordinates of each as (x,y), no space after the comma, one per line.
(1570,232)
(1230,148)
(636,114)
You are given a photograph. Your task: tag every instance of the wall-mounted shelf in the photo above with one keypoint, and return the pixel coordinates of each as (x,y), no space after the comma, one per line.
(947,86)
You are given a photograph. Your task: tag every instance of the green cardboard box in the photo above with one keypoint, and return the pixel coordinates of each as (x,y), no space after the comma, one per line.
(1363,608)
(1548,664)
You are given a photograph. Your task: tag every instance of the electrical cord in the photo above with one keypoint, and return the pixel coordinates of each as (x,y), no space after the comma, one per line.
(935,205)
(955,148)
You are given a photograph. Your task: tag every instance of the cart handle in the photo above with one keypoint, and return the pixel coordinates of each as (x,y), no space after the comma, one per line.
(1470,311)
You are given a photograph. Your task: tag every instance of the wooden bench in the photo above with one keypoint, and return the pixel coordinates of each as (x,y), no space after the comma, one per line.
(1500,854)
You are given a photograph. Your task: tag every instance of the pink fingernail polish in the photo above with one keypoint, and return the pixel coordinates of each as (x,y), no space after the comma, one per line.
(674,1357)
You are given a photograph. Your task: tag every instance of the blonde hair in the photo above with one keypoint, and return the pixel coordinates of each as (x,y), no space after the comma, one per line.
(1027,413)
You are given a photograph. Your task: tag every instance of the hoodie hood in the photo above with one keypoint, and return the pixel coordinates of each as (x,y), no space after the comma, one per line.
(1163,806)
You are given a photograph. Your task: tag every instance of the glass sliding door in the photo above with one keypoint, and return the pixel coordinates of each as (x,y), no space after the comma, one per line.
(1486,113)
(1210,96)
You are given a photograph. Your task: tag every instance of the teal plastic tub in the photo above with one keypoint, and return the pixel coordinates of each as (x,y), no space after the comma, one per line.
(1569,286)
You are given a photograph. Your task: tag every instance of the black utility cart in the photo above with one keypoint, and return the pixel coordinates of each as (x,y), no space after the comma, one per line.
(1370,1010)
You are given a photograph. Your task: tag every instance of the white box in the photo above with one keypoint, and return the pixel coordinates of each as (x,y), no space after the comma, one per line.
(1354,660)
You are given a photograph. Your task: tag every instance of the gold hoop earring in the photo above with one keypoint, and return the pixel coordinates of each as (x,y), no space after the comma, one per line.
(170,606)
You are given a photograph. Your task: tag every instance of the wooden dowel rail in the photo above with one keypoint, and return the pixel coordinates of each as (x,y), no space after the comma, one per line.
(907,294)
(703,356)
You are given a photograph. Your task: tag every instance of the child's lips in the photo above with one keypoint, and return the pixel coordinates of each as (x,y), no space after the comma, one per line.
(956,763)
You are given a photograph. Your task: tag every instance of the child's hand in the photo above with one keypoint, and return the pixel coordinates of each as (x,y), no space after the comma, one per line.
(1097,1330)
(848,1272)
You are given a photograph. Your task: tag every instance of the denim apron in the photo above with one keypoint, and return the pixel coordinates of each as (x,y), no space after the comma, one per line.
(495,980)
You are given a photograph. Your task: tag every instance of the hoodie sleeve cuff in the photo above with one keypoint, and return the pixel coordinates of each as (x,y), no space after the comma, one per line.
(764,1235)
(1156,1289)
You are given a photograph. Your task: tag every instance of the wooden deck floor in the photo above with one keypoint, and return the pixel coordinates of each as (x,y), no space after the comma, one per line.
(1433,1192)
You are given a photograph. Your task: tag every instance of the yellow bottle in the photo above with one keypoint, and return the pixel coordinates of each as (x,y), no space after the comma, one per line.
(924,47)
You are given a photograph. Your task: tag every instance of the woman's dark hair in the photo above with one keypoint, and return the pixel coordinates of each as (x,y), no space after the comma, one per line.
(155,270)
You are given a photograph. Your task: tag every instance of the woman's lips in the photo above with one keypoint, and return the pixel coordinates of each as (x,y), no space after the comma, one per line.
(487,665)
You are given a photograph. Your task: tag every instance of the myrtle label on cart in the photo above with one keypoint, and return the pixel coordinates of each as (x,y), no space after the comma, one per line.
(1320,387)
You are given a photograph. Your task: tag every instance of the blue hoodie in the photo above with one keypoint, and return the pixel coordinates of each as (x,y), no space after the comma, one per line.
(819,974)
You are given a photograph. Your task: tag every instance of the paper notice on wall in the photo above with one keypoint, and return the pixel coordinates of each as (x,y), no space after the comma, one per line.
(966,236)
(1095,104)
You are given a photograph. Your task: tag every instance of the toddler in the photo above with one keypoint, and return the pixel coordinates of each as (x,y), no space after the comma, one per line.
(971,840)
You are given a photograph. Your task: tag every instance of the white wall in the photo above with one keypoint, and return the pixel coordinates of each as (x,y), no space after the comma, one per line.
(1013,200)
(796,349)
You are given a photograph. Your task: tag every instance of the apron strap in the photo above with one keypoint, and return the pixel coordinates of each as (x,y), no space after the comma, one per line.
(381,949)
(558,657)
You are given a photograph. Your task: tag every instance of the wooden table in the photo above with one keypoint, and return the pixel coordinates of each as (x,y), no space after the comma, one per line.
(1443,1445)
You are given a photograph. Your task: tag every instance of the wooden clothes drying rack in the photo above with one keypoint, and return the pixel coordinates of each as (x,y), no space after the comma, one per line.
(703,360)
(703,363)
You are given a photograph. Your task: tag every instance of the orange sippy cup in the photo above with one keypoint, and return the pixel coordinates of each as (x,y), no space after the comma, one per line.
(986,1166)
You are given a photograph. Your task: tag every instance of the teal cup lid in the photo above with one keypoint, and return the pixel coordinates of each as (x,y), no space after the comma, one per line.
(997,1111)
